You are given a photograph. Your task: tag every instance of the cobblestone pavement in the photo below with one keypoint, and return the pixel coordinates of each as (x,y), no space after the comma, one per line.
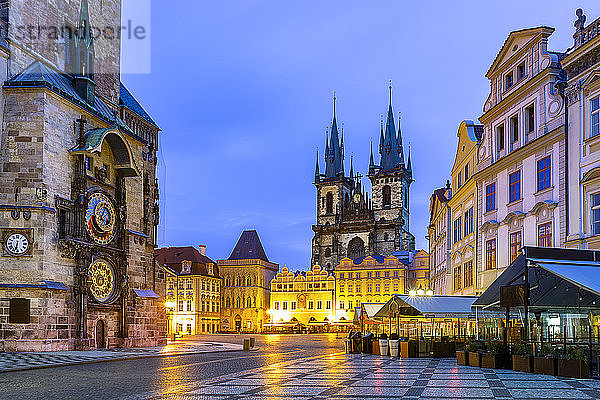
(351,377)
(34,360)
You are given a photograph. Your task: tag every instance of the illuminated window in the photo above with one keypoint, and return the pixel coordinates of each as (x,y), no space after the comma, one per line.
(377,287)
(341,288)
(369,287)
(469,222)
(358,287)
(457,277)
(311,305)
(386,287)
(319,305)
(276,305)
(180,305)
(468,266)
(596,213)
(284,305)
(545,235)
(490,254)
(342,305)
(515,245)
(328,305)
(293,305)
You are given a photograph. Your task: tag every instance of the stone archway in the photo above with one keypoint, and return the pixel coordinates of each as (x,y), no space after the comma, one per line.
(238,323)
(356,248)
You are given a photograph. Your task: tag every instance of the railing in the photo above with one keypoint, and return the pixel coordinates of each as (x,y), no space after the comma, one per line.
(587,34)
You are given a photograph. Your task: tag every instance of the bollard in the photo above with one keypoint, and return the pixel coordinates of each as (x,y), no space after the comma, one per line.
(246,344)
(252,341)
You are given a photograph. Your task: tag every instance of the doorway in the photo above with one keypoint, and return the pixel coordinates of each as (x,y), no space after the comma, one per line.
(100,342)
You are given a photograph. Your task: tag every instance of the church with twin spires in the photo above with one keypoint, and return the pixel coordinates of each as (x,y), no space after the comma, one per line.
(350,222)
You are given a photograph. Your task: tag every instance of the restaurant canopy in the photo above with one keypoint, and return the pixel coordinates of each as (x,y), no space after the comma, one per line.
(428,306)
(559,279)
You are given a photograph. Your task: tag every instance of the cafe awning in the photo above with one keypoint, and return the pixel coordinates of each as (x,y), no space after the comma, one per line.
(559,279)
(440,306)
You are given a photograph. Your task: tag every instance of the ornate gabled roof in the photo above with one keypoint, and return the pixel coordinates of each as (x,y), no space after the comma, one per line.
(172,257)
(248,247)
(128,100)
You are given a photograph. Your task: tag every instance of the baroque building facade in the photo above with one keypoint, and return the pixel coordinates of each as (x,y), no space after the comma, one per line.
(193,292)
(78,189)
(351,224)
(439,236)
(247,274)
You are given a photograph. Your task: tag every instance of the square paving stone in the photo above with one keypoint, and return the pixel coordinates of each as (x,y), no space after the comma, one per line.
(372,391)
(223,390)
(548,393)
(293,390)
(455,392)
(458,383)
(537,385)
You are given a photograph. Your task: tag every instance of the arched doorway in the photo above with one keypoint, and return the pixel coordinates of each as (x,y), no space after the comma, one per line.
(100,342)
(356,248)
(238,323)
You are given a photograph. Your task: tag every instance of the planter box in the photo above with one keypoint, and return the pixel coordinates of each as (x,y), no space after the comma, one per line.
(491,360)
(545,365)
(384,347)
(443,349)
(376,347)
(474,359)
(408,349)
(573,369)
(462,358)
(394,344)
(522,363)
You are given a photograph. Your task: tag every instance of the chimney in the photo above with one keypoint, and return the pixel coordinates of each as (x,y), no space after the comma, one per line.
(202,249)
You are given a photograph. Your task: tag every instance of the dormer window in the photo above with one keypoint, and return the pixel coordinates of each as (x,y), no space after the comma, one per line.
(186,267)
(209,269)
(508,81)
(520,71)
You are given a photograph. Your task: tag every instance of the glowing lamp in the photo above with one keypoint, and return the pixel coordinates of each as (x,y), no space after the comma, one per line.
(429,292)
(170,304)
(412,293)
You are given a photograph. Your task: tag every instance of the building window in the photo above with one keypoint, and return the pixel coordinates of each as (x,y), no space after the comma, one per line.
(469,222)
(341,275)
(277,305)
(350,275)
(180,305)
(342,305)
(350,305)
(329,203)
(349,288)
(311,305)
(514,128)
(377,288)
(396,274)
(595,120)
(457,229)
(387,274)
(319,305)
(545,235)
(459,180)
(530,112)
(543,173)
(387,196)
(395,288)
(520,71)
(500,137)
(358,275)
(468,274)
(19,311)
(514,187)
(490,197)
(328,305)
(596,214)
(457,277)
(188,305)
(467,172)
(508,81)
(341,288)
(369,274)
(292,305)
(88,163)
(284,305)
(490,254)
(386,287)
(358,287)
(515,245)
(376,274)
(369,287)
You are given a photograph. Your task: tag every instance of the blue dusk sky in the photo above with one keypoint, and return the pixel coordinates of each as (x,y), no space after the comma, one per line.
(243,93)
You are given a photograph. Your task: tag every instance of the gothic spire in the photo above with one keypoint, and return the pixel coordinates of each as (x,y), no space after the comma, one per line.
(351,165)
(409,164)
(334,156)
(389,151)
(399,140)
(317,171)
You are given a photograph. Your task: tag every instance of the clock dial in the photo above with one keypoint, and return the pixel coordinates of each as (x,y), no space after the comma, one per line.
(101,280)
(356,198)
(101,219)
(17,244)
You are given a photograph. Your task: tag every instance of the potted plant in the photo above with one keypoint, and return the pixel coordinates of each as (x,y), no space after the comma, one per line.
(492,357)
(394,344)
(546,363)
(574,364)
(474,355)
(462,356)
(521,359)
(384,344)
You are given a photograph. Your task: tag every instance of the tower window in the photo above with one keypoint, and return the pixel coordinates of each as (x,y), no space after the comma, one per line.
(329,203)
(387,196)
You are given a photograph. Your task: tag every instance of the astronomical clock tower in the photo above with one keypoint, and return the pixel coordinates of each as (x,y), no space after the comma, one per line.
(78,188)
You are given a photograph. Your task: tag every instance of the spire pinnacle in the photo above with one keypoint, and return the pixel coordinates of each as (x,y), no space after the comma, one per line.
(334,99)
(317,171)
(351,165)
(390,87)
(409,164)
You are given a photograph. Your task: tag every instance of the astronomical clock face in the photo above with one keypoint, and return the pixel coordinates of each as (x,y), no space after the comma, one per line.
(17,244)
(101,219)
(101,280)
(356,197)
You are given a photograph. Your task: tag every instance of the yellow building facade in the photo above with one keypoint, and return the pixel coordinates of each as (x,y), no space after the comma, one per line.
(193,286)
(307,298)
(439,236)
(463,212)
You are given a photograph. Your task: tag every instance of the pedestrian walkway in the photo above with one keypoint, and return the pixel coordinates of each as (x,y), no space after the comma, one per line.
(25,361)
(353,377)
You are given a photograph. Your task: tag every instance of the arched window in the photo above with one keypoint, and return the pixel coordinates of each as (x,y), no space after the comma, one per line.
(227,303)
(238,303)
(328,252)
(329,203)
(254,301)
(387,196)
(249,281)
(356,248)
(228,281)
(249,303)
(238,281)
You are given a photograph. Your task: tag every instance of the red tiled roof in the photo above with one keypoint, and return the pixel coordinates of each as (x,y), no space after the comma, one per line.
(171,257)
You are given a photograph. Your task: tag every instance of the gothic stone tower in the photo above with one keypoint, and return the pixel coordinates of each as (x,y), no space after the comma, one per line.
(78,193)
(349,224)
